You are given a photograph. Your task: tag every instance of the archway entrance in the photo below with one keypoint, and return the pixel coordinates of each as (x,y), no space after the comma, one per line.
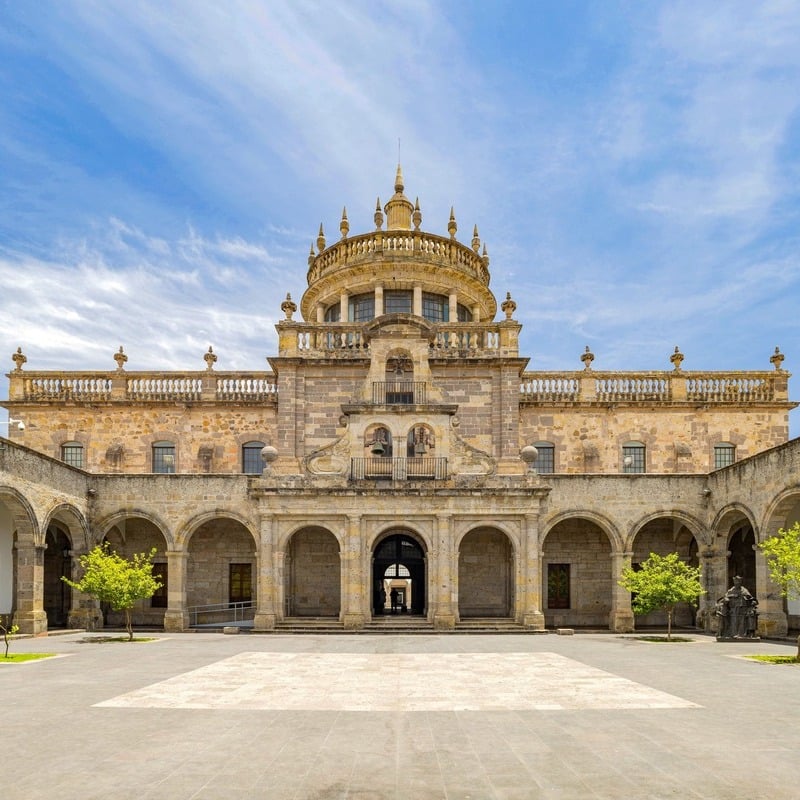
(313,574)
(398,565)
(485,574)
(57,595)
(742,557)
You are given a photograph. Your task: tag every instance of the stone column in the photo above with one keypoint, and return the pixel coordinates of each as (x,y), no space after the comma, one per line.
(444,580)
(772,619)
(453,305)
(356,586)
(379,301)
(709,563)
(343,306)
(621,616)
(279,560)
(264,619)
(176,617)
(529,575)
(417,301)
(30,615)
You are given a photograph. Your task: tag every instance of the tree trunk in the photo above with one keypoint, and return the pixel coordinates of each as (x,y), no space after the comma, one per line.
(128,624)
(669,624)
(797,657)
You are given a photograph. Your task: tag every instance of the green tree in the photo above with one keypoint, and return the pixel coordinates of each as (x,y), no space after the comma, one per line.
(661,582)
(8,629)
(115,580)
(782,553)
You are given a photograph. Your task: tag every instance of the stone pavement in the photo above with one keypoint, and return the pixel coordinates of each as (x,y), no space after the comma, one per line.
(428,717)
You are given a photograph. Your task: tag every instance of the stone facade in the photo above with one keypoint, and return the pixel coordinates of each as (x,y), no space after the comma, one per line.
(397,441)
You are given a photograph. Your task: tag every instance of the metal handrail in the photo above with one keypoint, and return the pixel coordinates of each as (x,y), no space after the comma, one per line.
(237,608)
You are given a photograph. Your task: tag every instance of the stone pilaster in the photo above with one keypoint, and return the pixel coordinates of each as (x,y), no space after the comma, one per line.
(445,576)
(30,615)
(176,617)
(356,589)
(621,617)
(84,611)
(265,616)
(530,575)
(772,619)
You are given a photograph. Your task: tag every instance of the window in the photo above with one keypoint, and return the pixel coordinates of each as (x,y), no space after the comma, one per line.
(72,454)
(164,458)
(633,458)
(435,307)
(240,586)
(396,302)
(546,460)
(558,586)
(464,314)
(251,458)
(333,313)
(724,455)
(362,307)
(159,598)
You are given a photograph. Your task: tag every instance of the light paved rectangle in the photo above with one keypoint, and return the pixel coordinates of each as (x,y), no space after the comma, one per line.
(398,682)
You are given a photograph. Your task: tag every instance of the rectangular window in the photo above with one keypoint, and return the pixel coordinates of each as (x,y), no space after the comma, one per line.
(362,308)
(558,586)
(546,459)
(724,455)
(633,458)
(435,307)
(397,302)
(159,598)
(240,586)
(251,458)
(72,454)
(164,458)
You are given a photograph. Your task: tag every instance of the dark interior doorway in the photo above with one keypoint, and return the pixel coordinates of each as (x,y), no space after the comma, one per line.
(399,556)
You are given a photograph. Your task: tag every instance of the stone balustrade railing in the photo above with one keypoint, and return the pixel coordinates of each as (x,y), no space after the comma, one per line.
(147,387)
(695,387)
(343,339)
(369,247)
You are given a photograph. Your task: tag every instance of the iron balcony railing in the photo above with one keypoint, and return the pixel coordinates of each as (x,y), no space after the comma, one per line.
(398,469)
(398,393)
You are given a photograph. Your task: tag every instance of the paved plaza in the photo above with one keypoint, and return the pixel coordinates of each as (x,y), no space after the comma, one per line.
(371,717)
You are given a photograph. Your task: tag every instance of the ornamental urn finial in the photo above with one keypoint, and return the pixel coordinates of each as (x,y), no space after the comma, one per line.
(451,225)
(378,215)
(344,225)
(776,359)
(321,239)
(120,358)
(416,217)
(19,358)
(311,255)
(676,359)
(288,306)
(476,240)
(210,358)
(587,359)
(508,306)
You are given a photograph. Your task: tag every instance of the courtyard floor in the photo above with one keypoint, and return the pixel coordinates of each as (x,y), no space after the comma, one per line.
(427,717)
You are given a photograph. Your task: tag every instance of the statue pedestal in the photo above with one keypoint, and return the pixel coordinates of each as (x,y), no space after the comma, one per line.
(738,638)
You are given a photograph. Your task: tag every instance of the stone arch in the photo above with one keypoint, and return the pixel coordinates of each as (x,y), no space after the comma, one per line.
(691,523)
(118,517)
(312,573)
(378,435)
(75,522)
(399,560)
(602,522)
(662,533)
(486,571)
(221,568)
(129,534)
(577,570)
(17,521)
(782,512)
(420,440)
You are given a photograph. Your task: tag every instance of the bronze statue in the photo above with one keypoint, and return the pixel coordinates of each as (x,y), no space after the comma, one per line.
(738,613)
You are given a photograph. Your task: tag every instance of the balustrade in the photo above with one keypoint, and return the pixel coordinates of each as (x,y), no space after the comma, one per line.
(399,469)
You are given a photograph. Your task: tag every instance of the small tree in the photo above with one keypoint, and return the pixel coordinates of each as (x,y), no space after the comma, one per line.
(782,553)
(115,580)
(8,630)
(661,582)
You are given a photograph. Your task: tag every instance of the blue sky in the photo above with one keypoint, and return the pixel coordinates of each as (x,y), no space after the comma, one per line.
(634,169)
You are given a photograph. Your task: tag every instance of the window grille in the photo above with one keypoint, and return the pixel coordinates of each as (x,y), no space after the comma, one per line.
(724,455)
(72,454)
(251,458)
(164,458)
(633,458)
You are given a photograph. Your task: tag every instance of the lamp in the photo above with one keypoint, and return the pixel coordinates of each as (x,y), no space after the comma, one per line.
(11,421)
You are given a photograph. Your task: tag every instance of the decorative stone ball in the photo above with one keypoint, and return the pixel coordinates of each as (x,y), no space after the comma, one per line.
(268,454)
(529,454)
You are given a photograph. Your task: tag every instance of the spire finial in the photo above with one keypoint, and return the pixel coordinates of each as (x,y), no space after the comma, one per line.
(378,215)
(311,255)
(344,225)
(321,239)
(416,217)
(476,241)
(398,181)
(451,225)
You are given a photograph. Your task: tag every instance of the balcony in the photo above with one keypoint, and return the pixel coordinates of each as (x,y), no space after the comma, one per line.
(398,469)
(398,393)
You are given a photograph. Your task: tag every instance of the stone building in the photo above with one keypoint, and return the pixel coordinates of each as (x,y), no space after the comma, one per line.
(397,442)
